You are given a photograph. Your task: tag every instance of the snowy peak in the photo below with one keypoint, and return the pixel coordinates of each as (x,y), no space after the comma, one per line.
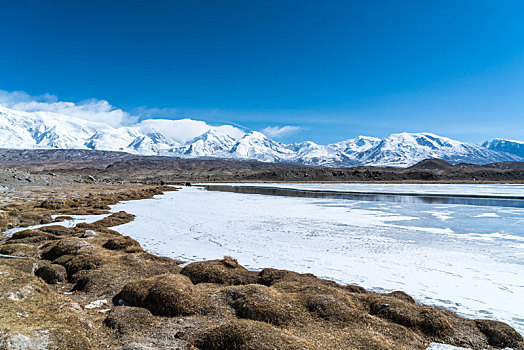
(211,143)
(405,149)
(508,146)
(255,145)
(358,144)
(310,153)
(191,138)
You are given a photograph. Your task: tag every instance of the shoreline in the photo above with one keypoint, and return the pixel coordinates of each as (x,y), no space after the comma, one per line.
(333,241)
(217,276)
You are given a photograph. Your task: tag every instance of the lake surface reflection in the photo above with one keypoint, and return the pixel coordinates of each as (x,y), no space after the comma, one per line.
(407,198)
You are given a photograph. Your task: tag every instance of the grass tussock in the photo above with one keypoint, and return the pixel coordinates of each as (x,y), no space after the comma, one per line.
(124,243)
(249,335)
(226,271)
(31,236)
(261,303)
(52,274)
(429,321)
(164,295)
(128,319)
(65,247)
(269,277)
(500,334)
(19,249)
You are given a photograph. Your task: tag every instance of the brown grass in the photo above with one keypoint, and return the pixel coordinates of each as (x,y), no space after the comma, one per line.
(215,304)
(226,271)
(19,249)
(29,307)
(500,334)
(124,243)
(52,274)
(261,303)
(127,319)
(31,236)
(165,295)
(249,335)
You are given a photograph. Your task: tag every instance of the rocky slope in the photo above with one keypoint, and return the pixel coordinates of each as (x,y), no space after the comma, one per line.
(80,165)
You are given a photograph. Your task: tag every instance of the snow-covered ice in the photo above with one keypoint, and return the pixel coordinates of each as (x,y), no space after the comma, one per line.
(459,259)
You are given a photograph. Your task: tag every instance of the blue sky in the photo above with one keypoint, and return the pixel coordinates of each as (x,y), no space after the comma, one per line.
(332,69)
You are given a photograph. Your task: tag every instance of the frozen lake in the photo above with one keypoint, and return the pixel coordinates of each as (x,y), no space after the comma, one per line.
(467,258)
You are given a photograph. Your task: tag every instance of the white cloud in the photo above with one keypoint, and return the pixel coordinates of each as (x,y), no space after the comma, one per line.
(93,110)
(180,130)
(183,130)
(280,131)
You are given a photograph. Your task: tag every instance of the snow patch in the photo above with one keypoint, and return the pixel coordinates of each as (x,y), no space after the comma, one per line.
(96,304)
(487,215)
(88,219)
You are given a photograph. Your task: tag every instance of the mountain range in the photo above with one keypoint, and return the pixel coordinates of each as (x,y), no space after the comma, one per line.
(42,129)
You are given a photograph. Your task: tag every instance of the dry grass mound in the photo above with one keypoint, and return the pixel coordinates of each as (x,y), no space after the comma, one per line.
(353,288)
(66,246)
(128,319)
(331,308)
(326,302)
(500,334)
(261,303)
(31,236)
(429,321)
(89,261)
(164,295)
(249,335)
(54,204)
(110,278)
(52,274)
(57,230)
(124,243)
(226,271)
(115,219)
(269,277)
(19,249)
(400,295)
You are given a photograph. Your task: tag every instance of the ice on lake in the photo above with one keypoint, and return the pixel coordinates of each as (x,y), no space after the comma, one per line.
(466,258)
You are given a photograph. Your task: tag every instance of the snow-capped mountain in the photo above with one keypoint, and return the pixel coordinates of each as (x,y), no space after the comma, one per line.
(508,146)
(27,130)
(256,145)
(310,153)
(356,145)
(209,143)
(404,148)
(51,130)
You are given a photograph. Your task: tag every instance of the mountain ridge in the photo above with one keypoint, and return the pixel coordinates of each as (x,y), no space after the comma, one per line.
(37,130)
(503,145)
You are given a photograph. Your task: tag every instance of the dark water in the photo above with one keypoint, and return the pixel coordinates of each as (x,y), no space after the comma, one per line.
(478,200)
